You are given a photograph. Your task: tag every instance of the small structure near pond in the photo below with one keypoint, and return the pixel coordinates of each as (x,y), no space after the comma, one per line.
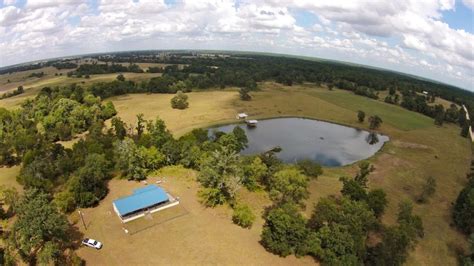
(251,123)
(241,116)
(143,201)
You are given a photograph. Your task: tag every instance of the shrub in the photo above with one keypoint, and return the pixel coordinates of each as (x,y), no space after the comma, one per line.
(243,216)
(211,197)
(310,168)
(180,101)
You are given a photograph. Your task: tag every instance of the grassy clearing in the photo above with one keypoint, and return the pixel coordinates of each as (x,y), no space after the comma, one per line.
(402,165)
(201,237)
(205,108)
(8,177)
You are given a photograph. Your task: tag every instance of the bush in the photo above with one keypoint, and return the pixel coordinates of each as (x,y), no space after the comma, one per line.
(180,101)
(243,216)
(211,197)
(463,213)
(310,168)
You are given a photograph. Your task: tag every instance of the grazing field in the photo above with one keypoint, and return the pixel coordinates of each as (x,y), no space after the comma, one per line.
(418,149)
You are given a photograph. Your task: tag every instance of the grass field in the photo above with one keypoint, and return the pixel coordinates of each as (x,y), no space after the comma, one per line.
(200,237)
(417,150)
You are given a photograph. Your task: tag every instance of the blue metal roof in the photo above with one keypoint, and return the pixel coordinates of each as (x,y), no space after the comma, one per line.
(140,199)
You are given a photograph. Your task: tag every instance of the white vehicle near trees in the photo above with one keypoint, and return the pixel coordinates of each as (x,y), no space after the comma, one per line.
(92,243)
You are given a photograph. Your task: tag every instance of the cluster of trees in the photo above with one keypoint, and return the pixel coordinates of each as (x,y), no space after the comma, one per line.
(64,65)
(36,74)
(39,234)
(18,91)
(19,68)
(340,228)
(94,68)
(223,172)
(63,112)
(246,71)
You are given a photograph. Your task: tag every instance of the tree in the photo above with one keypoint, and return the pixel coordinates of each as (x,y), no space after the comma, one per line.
(159,134)
(351,216)
(88,186)
(39,228)
(392,90)
(135,162)
(289,185)
(412,224)
(377,201)
(465,129)
(374,122)
(463,212)
(221,174)
(360,116)
(428,189)
(353,189)
(243,216)
(365,168)
(397,240)
(284,231)
(439,114)
(244,94)
(180,101)
(310,168)
(254,173)
(119,128)
(335,246)
(140,124)
(120,77)
(241,138)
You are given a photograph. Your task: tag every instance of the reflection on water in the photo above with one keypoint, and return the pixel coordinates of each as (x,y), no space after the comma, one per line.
(326,143)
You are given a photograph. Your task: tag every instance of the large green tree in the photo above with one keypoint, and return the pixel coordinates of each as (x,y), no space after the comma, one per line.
(221,176)
(38,227)
(289,185)
(284,231)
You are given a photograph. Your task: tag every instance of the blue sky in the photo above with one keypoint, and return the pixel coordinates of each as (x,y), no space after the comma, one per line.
(430,38)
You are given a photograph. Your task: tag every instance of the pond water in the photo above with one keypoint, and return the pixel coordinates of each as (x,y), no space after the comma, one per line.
(326,143)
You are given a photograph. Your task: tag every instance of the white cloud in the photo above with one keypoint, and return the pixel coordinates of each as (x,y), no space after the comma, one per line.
(398,34)
(469,3)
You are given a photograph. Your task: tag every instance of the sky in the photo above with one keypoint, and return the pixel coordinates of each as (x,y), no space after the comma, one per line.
(429,38)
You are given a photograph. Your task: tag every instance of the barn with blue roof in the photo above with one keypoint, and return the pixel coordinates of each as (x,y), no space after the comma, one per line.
(144,199)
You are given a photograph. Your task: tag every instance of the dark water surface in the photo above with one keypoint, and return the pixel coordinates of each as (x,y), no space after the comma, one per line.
(326,143)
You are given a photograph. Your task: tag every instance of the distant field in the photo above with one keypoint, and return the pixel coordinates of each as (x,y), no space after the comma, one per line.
(418,149)
(31,89)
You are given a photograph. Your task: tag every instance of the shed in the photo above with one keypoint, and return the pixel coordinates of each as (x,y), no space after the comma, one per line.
(242,116)
(141,200)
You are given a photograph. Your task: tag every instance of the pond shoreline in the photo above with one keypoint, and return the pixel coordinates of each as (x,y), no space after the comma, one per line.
(334,144)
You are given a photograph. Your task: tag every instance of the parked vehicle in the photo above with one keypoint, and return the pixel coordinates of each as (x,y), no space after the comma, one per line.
(92,243)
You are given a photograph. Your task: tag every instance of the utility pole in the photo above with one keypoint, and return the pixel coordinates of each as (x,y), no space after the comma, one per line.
(82,219)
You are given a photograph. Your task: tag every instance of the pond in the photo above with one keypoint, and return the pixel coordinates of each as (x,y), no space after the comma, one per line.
(325,143)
